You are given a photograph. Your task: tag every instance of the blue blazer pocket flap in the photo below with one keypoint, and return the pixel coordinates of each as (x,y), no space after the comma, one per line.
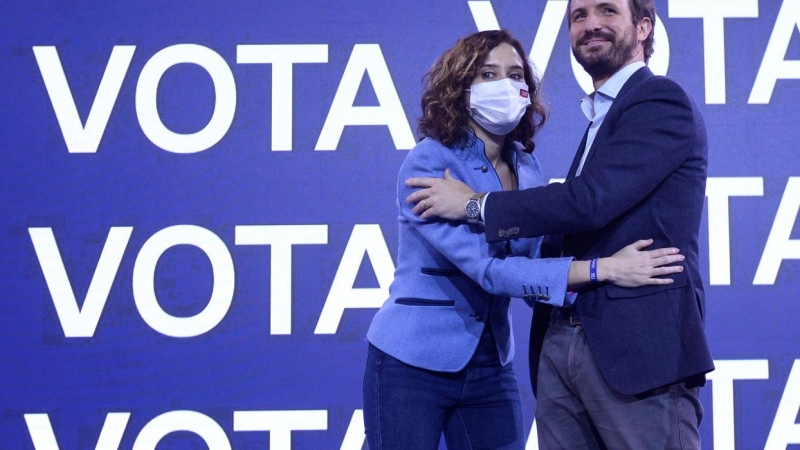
(411,301)
(613,291)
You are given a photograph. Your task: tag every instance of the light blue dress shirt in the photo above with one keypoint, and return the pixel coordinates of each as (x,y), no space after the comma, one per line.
(596,105)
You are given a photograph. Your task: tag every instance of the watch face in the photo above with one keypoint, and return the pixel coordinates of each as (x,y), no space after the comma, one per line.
(473,209)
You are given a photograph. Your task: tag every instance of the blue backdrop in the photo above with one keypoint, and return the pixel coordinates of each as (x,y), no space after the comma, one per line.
(198,209)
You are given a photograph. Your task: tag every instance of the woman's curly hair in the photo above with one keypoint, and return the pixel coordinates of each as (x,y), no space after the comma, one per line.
(444,109)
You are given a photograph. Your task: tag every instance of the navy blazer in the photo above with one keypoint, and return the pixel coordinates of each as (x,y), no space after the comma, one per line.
(449,282)
(644,177)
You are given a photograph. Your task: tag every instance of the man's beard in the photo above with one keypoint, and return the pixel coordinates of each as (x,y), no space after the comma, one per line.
(602,64)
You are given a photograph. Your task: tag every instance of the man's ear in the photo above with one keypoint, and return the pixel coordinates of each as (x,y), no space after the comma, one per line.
(643,29)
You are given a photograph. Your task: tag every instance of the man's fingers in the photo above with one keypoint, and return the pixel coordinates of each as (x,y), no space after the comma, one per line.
(418,196)
(422,182)
(426,213)
(422,203)
(448,175)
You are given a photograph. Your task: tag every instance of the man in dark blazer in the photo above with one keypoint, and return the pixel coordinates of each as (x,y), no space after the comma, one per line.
(623,367)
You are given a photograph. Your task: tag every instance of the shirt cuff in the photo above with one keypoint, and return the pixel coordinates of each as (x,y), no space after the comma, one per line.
(483,207)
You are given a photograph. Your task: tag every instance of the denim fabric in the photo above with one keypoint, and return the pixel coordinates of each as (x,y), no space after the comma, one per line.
(576,409)
(478,407)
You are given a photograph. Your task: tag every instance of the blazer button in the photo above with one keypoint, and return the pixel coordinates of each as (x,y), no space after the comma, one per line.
(484,169)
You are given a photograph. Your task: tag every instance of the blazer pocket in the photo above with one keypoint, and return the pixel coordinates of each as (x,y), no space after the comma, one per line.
(411,301)
(700,296)
(439,272)
(613,291)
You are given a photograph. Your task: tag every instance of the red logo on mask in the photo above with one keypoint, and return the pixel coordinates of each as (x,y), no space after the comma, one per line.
(523,93)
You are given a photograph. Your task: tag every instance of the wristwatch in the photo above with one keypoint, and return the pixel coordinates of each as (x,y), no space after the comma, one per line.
(473,208)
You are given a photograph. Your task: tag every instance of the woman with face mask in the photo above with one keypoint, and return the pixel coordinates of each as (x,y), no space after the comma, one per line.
(441,346)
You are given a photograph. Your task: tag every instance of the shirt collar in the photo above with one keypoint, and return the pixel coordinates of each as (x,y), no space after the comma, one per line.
(614,84)
(610,89)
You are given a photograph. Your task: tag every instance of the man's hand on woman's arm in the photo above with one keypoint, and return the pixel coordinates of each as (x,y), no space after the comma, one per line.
(439,197)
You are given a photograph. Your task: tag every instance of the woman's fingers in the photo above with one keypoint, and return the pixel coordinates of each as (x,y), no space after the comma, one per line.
(666,259)
(642,243)
(667,270)
(660,252)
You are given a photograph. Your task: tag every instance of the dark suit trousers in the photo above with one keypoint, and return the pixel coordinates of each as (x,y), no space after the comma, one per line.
(576,409)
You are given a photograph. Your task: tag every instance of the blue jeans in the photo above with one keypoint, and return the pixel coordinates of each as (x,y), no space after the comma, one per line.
(478,407)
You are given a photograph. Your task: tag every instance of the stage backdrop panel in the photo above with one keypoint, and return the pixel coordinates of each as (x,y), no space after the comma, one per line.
(199,219)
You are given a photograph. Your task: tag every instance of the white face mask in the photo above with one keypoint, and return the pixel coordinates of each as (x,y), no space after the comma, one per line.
(499,105)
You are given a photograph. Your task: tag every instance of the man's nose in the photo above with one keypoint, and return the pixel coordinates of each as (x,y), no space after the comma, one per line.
(592,23)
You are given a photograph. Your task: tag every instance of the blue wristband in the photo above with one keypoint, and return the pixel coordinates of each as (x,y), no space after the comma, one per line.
(593,270)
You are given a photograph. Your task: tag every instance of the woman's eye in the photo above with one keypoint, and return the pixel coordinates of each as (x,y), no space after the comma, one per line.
(516,76)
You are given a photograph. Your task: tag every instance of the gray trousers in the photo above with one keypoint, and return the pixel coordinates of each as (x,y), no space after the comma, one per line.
(576,409)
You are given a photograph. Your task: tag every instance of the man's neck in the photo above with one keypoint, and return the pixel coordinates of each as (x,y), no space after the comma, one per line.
(599,82)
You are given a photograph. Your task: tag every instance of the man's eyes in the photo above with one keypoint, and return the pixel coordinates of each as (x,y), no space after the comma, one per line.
(582,16)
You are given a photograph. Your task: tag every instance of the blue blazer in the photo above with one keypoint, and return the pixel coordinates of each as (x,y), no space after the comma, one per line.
(448,280)
(644,177)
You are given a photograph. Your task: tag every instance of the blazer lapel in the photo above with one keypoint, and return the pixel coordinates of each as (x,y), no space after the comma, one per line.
(577,160)
(635,79)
